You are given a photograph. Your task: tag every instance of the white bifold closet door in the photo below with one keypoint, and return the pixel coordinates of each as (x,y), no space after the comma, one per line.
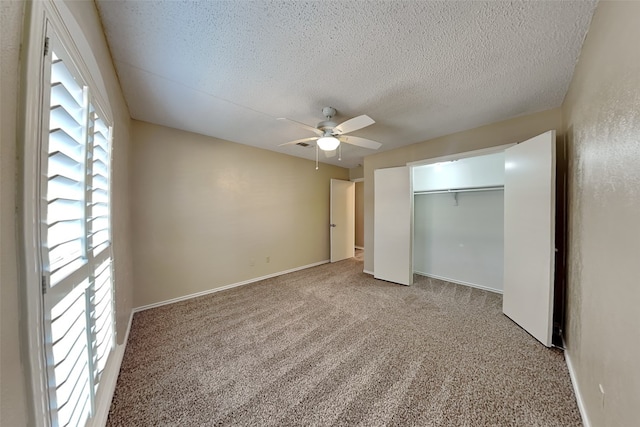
(529,235)
(393,217)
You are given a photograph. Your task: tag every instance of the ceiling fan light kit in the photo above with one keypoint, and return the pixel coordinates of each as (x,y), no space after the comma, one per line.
(330,135)
(328,143)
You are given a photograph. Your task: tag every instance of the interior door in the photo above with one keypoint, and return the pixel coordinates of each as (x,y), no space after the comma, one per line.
(342,219)
(529,235)
(393,223)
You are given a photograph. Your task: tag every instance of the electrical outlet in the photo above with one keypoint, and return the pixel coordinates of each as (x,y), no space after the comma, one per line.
(268,259)
(252,262)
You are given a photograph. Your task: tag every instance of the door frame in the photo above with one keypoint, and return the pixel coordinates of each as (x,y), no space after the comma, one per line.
(356,180)
(458,156)
(332,228)
(448,158)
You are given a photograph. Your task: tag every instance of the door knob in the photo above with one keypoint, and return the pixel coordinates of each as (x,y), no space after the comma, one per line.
(332,225)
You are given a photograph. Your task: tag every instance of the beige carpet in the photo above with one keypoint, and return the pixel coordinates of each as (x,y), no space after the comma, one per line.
(332,346)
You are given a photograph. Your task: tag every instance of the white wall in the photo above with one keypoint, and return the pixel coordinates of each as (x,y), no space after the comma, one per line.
(470,172)
(463,242)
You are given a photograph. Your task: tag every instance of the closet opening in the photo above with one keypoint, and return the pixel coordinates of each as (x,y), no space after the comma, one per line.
(458,220)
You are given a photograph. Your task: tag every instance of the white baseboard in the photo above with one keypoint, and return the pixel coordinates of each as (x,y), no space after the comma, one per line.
(108,382)
(367,272)
(225,287)
(360,247)
(576,390)
(459,282)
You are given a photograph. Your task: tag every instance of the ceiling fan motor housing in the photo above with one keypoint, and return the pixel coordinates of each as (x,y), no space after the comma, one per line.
(330,134)
(328,112)
(327,126)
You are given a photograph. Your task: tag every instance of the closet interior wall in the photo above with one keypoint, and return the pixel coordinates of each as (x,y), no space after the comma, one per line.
(459,221)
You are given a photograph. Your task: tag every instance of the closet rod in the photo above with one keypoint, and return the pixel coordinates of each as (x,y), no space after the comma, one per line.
(462,190)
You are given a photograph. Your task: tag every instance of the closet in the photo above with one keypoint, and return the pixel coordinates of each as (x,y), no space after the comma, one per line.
(486,220)
(458,231)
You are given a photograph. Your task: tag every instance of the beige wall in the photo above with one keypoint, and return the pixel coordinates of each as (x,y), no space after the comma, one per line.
(15,405)
(356,173)
(204,208)
(602,122)
(360,214)
(506,132)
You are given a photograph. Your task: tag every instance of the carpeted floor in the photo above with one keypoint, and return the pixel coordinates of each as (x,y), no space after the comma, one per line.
(333,346)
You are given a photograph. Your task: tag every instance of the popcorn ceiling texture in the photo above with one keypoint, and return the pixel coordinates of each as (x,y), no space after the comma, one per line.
(332,346)
(421,69)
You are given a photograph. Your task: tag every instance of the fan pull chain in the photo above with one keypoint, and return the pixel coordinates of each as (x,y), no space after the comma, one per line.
(340,152)
(316,156)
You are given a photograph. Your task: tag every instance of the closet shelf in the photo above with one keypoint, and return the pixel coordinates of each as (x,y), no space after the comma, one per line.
(461,190)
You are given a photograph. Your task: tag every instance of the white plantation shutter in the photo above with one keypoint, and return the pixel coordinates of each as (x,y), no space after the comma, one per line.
(75,240)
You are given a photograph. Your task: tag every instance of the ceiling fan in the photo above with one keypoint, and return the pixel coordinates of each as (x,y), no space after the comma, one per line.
(330,134)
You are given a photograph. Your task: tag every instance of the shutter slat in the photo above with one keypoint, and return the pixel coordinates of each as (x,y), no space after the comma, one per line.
(103,335)
(59,140)
(66,270)
(61,97)
(66,303)
(101,128)
(67,370)
(99,151)
(61,119)
(64,187)
(100,168)
(100,181)
(99,209)
(77,400)
(100,297)
(67,159)
(101,281)
(79,418)
(100,176)
(104,268)
(64,210)
(68,333)
(61,74)
(100,142)
(97,249)
(80,332)
(63,232)
(99,224)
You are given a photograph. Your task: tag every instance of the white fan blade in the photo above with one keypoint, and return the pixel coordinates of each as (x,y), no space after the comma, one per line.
(302,125)
(330,154)
(353,124)
(298,141)
(360,142)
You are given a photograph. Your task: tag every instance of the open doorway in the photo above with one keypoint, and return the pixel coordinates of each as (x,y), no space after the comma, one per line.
(458,228)
(359,219)
(342,220)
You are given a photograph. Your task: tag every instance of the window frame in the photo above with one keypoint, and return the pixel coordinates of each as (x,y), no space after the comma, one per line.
(39,17)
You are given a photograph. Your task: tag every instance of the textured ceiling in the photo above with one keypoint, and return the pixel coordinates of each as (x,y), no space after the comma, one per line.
(420,69)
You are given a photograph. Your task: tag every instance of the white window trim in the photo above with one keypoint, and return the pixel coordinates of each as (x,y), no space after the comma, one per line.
(37,14)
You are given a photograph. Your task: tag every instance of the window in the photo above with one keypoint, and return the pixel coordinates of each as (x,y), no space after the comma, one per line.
(75,238)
